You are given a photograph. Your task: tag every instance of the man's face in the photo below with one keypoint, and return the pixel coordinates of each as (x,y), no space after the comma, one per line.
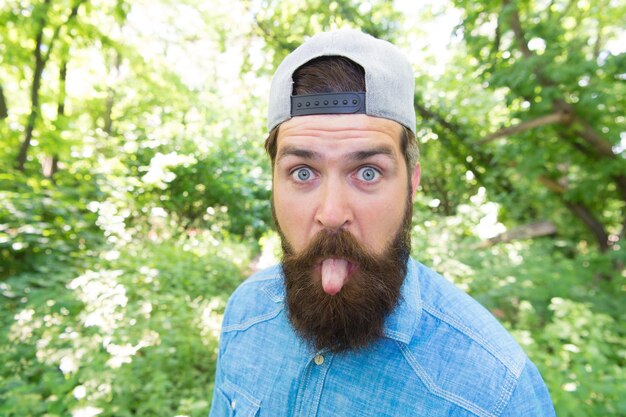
(340,171)
(342,203)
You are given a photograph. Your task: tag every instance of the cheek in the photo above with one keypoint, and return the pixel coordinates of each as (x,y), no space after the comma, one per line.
(292,214)
(381,218)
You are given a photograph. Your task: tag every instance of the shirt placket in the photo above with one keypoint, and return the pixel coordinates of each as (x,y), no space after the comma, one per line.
(310,389)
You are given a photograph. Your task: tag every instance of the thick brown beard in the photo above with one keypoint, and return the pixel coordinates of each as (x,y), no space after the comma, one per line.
(354,317)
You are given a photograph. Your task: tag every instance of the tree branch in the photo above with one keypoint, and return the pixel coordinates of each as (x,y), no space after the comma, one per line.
(580,211)
(551,185)
(522,43)
(600,145)
(582,128)
(527,231)
(589,152)
(583,213)
(587,132)
(497,37)
(597,44)
(516,25)
(427,114)
(527,125)
(57,30)
(482,160)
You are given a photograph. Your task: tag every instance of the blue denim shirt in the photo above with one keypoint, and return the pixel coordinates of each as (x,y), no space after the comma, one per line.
(443,354)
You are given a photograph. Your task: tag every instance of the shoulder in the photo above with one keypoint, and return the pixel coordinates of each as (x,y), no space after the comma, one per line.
(458,315)
(462,353)
(258,298)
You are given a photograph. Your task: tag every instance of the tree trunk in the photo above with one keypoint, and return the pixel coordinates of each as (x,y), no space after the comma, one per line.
(34,91)
(60,109)
(51,164)
(40,63)
(4,111)
(108,112)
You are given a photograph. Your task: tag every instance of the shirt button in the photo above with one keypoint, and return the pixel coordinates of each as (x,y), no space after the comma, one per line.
(233,404)
(319,359)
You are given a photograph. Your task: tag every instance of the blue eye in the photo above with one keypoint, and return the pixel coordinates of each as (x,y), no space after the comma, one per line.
(368,174)
(302,174)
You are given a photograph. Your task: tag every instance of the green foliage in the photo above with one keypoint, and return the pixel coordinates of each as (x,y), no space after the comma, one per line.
(145,192)
(284,25)
(42,223)
(134,334)
(540,62)
(553,300)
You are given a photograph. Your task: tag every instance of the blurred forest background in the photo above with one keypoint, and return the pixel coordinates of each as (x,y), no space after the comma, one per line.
(134,187)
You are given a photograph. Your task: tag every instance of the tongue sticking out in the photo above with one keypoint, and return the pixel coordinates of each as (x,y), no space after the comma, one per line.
(334,275)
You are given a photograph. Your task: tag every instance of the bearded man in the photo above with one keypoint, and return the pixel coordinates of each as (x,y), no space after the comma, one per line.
(349,324)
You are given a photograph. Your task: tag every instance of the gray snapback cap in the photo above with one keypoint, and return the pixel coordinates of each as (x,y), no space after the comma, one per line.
(389,80)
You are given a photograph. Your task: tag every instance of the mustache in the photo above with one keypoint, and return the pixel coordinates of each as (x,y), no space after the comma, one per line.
(332,243)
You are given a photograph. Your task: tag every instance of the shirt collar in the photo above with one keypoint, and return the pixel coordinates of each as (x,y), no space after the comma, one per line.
(401,324)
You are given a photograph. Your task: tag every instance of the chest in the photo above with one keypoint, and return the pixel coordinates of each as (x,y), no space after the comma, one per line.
(268,371)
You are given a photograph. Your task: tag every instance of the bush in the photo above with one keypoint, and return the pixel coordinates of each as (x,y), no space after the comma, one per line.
(562,303)
(42,223)
(133,334)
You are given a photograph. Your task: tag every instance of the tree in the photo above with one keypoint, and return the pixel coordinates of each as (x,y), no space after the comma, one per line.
(41,54)
(563,98)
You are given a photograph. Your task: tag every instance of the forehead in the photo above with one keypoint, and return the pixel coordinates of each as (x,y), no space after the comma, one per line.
(335,131)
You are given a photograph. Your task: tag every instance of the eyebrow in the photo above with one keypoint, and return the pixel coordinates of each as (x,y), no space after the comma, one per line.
(362,155)
(353,156)
(301,153)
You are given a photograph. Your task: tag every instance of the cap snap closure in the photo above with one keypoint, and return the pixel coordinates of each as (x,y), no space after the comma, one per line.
(328,103)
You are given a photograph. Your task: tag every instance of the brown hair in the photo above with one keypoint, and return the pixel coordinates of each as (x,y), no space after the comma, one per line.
(335,74)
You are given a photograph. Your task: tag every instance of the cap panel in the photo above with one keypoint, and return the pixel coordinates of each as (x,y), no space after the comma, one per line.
(389,78)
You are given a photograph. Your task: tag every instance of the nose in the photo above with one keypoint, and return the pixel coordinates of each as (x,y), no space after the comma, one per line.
(334,210)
